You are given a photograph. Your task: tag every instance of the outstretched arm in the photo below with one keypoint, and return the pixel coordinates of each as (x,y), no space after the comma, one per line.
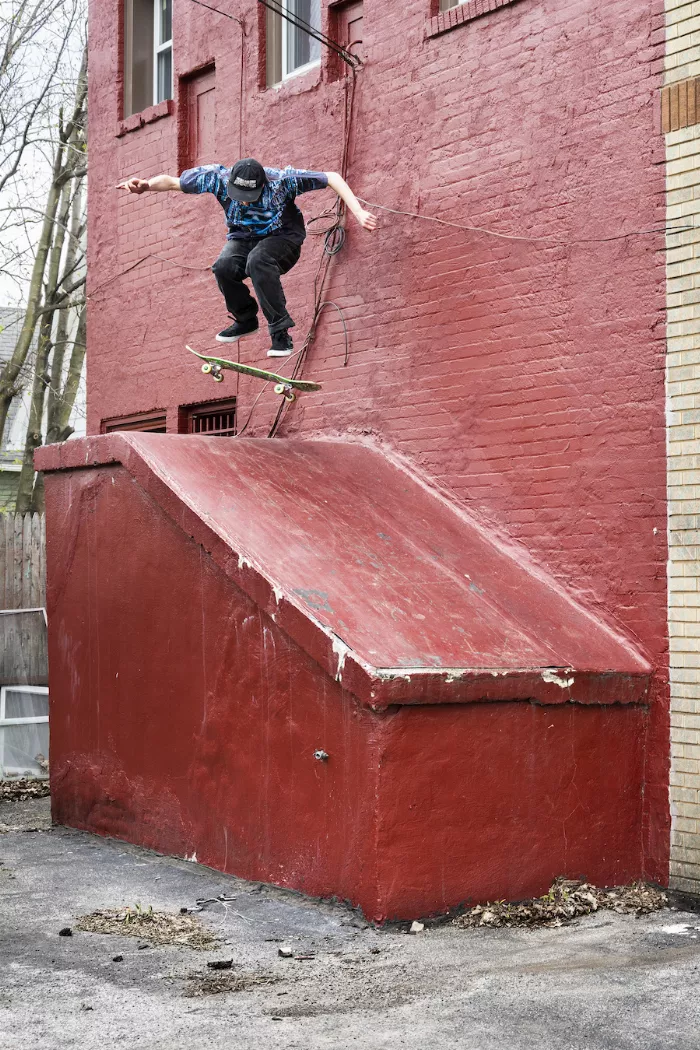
(365,218)
(159,182)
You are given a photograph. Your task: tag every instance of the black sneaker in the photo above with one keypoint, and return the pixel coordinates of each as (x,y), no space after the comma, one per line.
(282,345)
(237,330)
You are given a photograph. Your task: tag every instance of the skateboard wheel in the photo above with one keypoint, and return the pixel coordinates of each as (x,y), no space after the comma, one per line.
(290,396)
(206,368)
(279,388)
(218,378)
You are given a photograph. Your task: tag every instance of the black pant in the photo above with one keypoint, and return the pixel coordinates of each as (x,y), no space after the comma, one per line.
(264,261)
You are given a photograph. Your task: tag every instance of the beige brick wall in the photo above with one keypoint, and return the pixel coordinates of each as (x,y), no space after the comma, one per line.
(683,408)
(682,39)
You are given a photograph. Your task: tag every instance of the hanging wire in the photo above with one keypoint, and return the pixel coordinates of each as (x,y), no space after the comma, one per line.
(547,239)
(200,3)
(334,239)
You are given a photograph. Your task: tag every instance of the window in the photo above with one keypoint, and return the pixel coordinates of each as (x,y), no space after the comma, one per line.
(152,422)
(289,48)
(445,5)
(24,730)
(148,53)
(215,419)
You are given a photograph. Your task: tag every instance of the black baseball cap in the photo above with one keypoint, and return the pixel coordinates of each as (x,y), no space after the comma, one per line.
(247,181)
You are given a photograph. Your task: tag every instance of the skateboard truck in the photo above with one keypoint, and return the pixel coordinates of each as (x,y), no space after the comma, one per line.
(215,370)
(286,390)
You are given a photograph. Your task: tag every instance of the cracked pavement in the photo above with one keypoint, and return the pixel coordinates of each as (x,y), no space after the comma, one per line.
(608,982)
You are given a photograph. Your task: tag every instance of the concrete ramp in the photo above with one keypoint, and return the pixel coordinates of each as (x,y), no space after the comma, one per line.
(396,593)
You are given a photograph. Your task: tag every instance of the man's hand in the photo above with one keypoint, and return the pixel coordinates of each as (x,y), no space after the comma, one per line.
(366,219)
(135,185)
(158,183)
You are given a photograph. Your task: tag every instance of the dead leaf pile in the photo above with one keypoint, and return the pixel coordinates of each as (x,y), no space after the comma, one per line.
(23,788)
(156,927)
(567,899)
(201,984)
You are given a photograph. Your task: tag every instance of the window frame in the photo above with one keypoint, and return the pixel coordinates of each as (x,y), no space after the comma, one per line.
(188,414)
(139,24)
(277,30)
(461,13)
(5,722)
(160,49)
(154,422)
(286,26)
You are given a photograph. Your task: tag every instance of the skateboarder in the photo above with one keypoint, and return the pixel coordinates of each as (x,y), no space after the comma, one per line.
(265,234)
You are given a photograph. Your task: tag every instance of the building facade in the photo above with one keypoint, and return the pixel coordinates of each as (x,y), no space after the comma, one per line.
(503,331)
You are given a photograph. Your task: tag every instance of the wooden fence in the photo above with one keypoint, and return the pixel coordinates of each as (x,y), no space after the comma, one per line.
(22,561)
(23,651)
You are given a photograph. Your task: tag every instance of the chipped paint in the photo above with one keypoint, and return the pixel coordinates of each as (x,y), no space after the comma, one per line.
(317,600)
(341,651)
(553,678)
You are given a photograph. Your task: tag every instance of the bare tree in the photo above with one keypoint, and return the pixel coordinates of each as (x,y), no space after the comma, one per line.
(37,52)
(55,304)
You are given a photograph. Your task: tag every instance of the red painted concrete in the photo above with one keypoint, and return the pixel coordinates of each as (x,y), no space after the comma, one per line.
(185,717)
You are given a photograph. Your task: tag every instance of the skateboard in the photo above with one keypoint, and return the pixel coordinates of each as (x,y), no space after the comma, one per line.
(285,386)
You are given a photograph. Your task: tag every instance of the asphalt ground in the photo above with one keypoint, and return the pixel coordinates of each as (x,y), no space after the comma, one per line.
(608,982)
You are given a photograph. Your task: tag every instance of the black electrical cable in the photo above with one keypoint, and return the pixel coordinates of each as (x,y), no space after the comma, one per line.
(334,240)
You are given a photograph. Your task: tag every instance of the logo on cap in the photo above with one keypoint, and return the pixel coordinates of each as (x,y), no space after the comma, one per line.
(249,184)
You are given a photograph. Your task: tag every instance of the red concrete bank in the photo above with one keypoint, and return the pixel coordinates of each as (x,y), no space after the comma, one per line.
(349,687)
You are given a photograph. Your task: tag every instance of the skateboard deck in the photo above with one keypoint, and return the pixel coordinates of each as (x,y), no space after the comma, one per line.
(285,386)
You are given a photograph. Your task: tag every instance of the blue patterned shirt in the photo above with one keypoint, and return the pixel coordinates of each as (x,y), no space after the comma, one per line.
(274,214)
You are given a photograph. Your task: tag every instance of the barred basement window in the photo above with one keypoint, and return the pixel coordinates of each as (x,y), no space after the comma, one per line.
(215,419)
(148,53)
(289,48)
(151,422)
(24,730)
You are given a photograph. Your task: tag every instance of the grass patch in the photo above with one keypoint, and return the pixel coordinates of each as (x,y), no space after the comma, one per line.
(212,983)
(156,927)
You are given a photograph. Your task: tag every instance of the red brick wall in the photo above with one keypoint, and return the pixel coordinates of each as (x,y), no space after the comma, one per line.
(526,379)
